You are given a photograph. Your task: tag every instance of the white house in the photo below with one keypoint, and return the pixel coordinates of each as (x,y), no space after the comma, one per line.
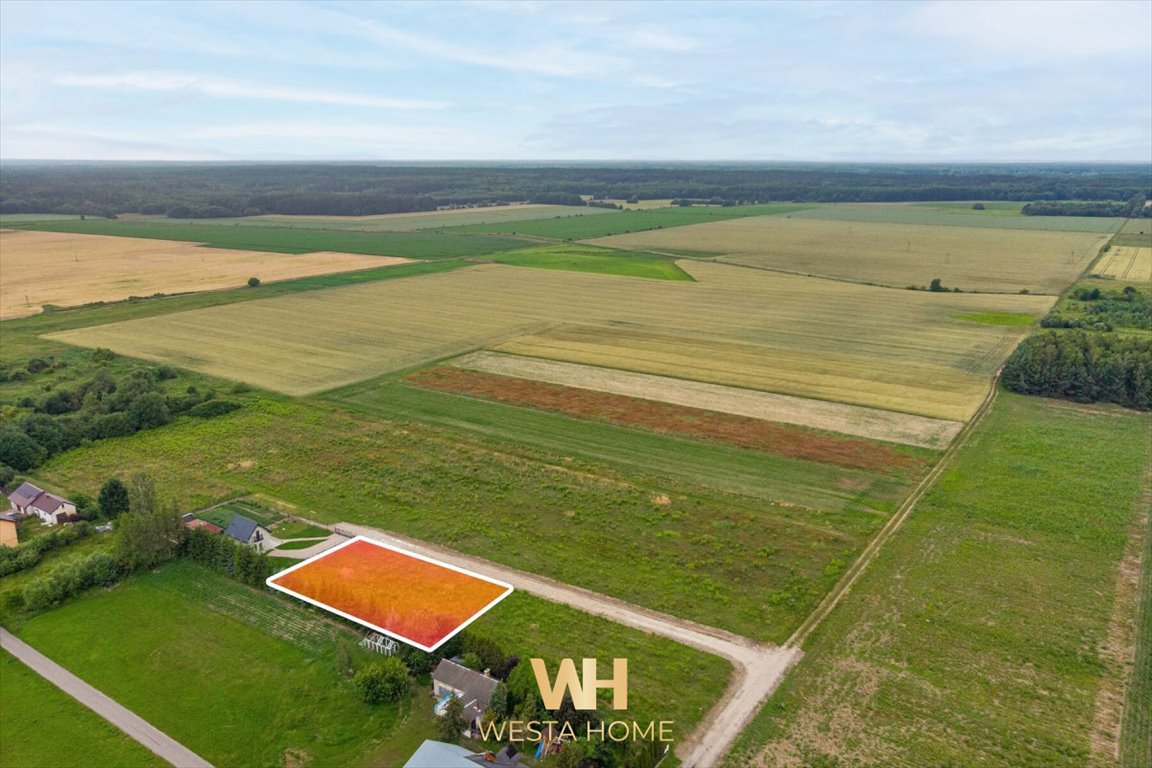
(30,500)
(472,688)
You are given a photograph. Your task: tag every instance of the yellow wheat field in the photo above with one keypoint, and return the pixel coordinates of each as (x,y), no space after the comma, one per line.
(899,350)
(1133,265)
(900,255)
(38,268)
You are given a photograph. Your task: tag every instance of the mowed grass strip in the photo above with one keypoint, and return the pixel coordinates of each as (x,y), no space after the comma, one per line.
(977,635)
(866,337)
(1001,215)
(792,442)
(898,255)
(1136,722)
(411,245)
(871,423)
(584,227)
(43,726)
(42,268)
(589,258)
(725,536)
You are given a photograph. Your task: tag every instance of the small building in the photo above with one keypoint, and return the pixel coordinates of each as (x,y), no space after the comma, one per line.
(8,537)
(28,499)
(203,524)
(473,688)
(249,532)
(438,754)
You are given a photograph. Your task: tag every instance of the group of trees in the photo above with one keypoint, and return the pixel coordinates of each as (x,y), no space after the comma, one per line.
(228,557)
(1084,366)
(1131,208)
(101,407)
(195,191)
(1093,309)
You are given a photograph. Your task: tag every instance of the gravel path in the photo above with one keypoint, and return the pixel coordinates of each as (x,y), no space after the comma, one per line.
(132,724)
(758,668)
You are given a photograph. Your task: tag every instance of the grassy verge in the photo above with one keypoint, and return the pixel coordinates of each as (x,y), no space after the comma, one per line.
(590,258)
(43,726)
(693,529)
(412,245)
(1136,725)
(975,637)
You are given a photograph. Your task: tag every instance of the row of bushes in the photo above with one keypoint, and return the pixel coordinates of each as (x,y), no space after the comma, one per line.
(228,557)
(99,569)
(28,553)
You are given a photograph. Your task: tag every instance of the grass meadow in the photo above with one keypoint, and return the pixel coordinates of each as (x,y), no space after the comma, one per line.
(722,535)
(589,258)
(43,726)
(885,253)
(978,635)
(270,664)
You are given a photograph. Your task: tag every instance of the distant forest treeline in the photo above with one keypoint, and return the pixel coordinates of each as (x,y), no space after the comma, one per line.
(212,190)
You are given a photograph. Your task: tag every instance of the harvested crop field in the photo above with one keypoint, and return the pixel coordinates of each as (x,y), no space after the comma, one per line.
(408,222)
(703,398)
(43,268)
(898,255)
(792,442)
(897,350)
(997,215)
(1126,262)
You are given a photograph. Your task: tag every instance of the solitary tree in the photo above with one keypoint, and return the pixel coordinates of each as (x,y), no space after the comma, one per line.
(149,534)
(383,681)
(935,285)
(253,282)
(451,725)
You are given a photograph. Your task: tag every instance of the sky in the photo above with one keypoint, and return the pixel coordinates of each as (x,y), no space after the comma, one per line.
(653,81)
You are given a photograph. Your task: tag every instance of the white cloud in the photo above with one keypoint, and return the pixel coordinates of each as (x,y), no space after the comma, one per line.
(162,81)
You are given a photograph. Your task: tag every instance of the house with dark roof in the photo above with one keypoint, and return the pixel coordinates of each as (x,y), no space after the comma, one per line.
(473,688)
(28,499)
(250,532)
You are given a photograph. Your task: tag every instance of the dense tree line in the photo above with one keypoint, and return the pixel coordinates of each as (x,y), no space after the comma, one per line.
(1133,208)
(202,190)
(1084,366)
(103,406)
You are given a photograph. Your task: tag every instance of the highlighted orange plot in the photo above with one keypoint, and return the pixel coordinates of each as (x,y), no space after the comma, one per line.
(401,594)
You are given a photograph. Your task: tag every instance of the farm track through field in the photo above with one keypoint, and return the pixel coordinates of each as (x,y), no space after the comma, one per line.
(758,668)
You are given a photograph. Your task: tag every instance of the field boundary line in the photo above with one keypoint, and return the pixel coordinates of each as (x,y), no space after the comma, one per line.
(833,598)
(132,725)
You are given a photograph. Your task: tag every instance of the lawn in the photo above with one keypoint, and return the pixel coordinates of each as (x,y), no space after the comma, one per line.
(583,227)
(44,727)
(269,663)
(299,530)
(896,350)
(726,536)
(412,245)
(977,636)
(589,258)
(885,253)
(222,515)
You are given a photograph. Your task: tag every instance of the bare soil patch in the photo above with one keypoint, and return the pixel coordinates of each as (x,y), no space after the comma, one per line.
(767,436)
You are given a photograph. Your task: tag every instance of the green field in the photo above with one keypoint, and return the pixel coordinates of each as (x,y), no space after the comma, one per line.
(589,258)
(1136,725)
(959,215)
(43,727)
(269,663)
(412,245)
(583,227)
(222,515)
(725,536)
(298,530)
(408,222)
(977,635)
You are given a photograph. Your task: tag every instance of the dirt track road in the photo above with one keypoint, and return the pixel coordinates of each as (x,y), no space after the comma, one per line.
(758,668)
(127,721)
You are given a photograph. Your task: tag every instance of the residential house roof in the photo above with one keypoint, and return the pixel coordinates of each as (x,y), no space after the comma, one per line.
(437,754)
(8,518)
(47,502)
(24,494)
(241,528)
(477,688)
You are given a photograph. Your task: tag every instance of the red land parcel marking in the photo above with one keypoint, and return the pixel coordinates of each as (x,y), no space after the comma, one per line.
(406,596)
